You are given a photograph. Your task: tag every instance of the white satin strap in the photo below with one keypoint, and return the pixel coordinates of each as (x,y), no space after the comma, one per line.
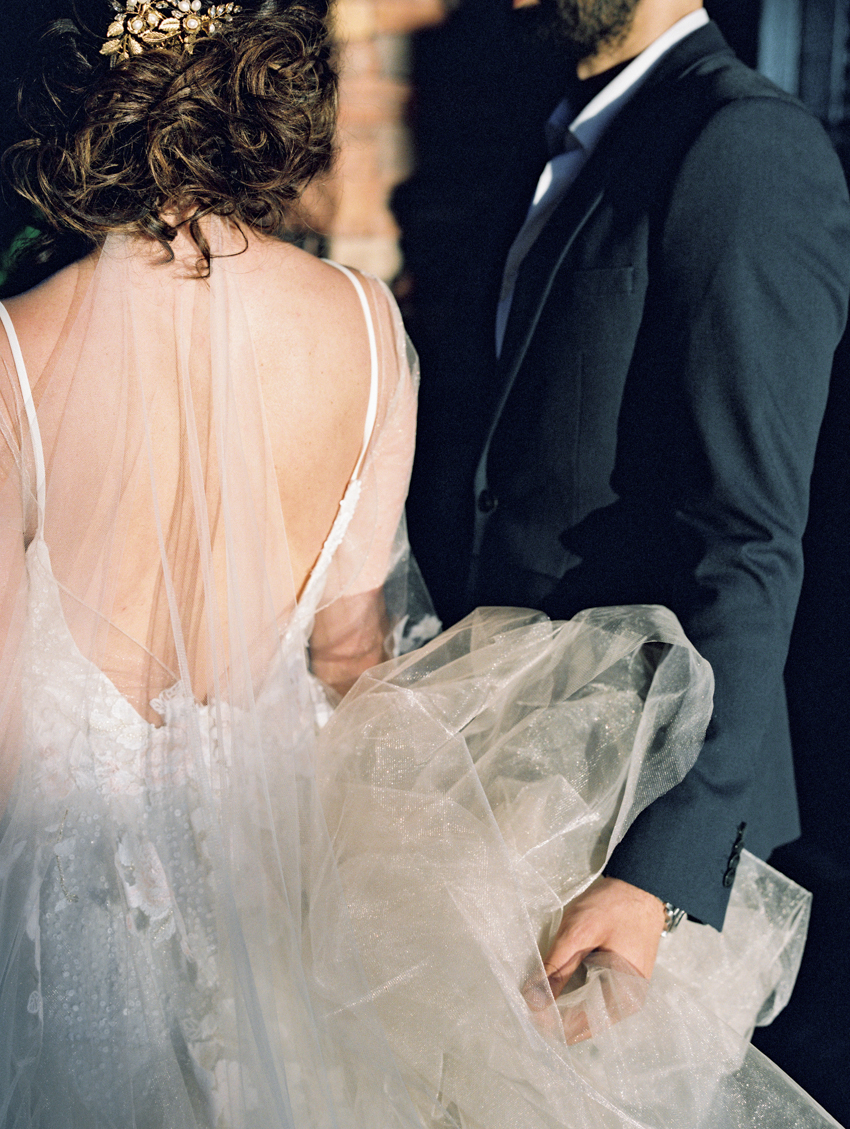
(29,408)
(372,409)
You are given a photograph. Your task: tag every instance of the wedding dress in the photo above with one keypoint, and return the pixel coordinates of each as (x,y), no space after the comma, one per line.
(224,903)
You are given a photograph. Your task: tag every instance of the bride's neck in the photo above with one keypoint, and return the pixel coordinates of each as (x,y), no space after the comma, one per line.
(224,236)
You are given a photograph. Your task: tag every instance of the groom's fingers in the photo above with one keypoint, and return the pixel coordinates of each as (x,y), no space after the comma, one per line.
(620,992)
(610,916)
(614,928)
(564,960)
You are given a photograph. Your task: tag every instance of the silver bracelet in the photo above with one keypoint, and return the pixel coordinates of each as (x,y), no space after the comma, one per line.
(673,917)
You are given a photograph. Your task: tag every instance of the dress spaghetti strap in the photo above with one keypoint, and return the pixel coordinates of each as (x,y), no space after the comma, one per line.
(29,407)
(311,595)
(372,409)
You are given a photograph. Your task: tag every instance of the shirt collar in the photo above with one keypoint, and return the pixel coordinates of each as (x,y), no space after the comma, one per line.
(589,125)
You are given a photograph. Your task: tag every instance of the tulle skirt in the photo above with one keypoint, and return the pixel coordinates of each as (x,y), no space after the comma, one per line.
(275,928)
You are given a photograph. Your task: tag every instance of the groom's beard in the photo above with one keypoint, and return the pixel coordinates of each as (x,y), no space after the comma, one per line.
(585,26)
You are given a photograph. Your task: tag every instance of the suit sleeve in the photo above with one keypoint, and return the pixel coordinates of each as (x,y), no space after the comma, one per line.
(754,264)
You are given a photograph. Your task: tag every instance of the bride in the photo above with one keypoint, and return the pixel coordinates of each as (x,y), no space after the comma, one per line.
(234,891)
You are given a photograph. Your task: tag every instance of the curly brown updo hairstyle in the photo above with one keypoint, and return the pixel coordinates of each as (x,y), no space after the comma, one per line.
(237,128)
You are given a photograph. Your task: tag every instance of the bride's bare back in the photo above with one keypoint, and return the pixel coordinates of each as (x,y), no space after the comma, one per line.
(312,355)
(291,324)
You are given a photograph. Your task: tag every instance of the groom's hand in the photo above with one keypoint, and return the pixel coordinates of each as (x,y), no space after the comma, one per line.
(610,916)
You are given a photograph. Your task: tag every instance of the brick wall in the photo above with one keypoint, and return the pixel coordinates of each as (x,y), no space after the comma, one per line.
(374,144)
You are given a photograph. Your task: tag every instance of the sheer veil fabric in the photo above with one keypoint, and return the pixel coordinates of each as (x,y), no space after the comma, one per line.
(163,836)
(217,911)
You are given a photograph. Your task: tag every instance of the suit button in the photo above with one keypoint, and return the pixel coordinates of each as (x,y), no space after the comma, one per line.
(735,856)
(487,501)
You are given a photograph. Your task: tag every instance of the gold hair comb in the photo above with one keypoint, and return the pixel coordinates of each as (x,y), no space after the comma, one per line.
(143,24)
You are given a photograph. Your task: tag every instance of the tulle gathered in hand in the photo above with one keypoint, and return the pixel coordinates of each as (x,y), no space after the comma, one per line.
(474,788)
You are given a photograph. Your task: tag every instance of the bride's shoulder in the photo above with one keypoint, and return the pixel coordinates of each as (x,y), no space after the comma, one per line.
(38,315)
(315,307)
(55,290)
(323,286)
(329,291)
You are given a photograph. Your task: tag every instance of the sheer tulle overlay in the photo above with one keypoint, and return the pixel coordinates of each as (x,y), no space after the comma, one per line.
(217,912)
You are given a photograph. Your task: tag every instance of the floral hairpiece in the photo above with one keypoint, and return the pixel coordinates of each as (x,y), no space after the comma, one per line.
(142,24)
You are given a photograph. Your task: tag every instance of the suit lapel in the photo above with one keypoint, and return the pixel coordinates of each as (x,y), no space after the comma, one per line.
(619,147)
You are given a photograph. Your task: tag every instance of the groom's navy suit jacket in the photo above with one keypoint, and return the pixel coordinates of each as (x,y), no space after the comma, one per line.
(666,363)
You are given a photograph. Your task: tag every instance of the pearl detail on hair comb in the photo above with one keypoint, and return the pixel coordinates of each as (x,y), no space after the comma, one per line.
(145,24)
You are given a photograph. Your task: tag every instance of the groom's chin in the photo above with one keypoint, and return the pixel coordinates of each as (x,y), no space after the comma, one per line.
(544,22)
(580,27)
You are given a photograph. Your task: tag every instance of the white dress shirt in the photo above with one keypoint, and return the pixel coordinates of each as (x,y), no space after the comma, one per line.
(581,137)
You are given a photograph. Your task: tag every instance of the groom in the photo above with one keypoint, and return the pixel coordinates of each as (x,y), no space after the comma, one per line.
(665,331)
